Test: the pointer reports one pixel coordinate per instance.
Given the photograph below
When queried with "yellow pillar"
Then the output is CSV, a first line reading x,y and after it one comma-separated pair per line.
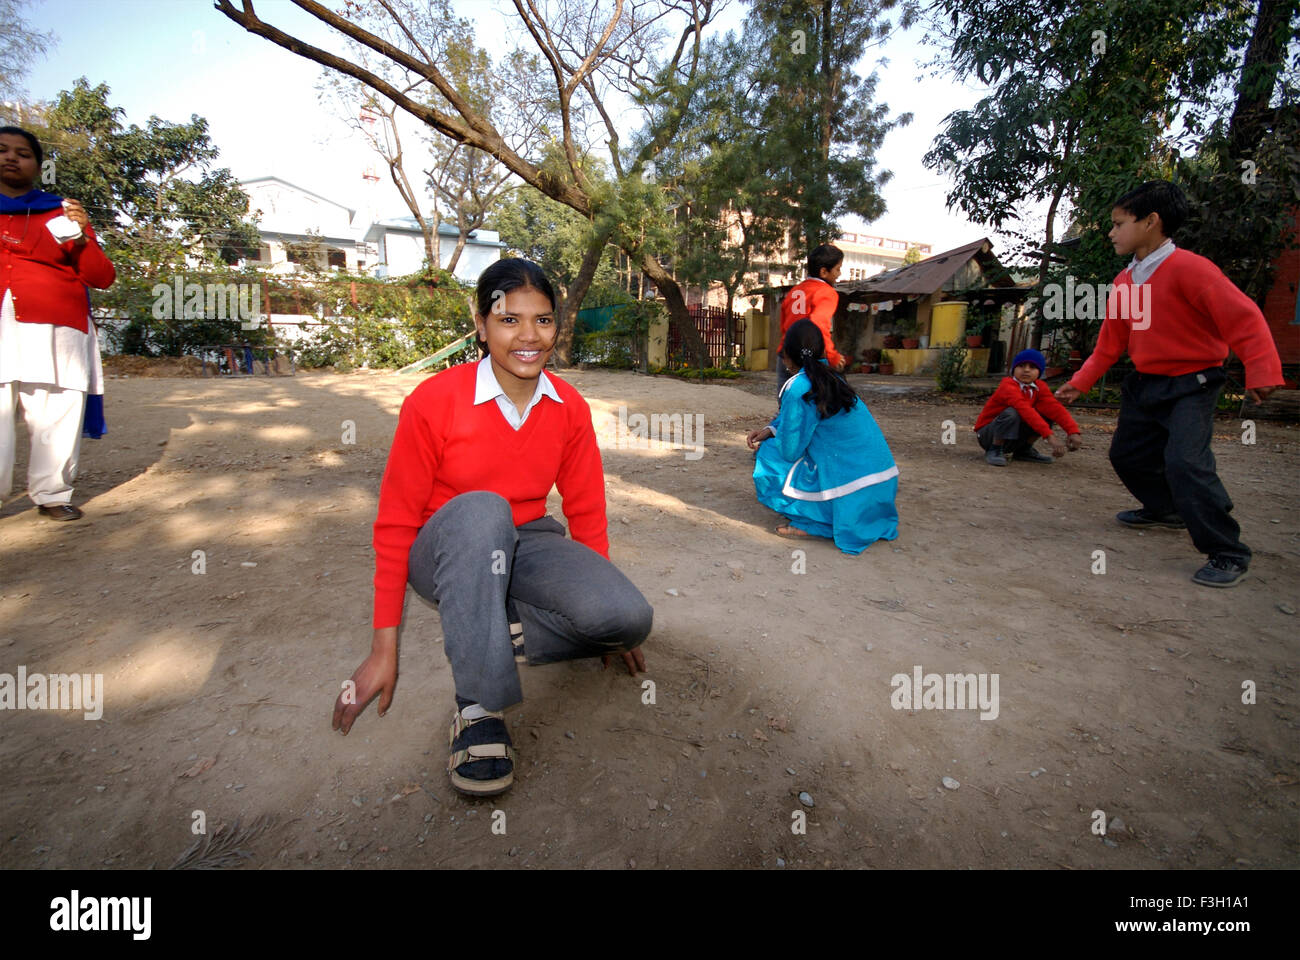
x,y
756,349
657,341
948,323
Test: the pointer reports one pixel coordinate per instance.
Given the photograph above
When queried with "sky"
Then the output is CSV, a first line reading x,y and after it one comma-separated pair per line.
x,y
174,58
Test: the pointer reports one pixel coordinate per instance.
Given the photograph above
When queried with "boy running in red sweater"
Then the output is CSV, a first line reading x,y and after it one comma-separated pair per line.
x,y
1020,411
462,517
1178,341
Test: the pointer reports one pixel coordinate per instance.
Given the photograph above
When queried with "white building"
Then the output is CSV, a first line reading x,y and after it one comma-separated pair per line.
x,y
866,255
400,247
351,240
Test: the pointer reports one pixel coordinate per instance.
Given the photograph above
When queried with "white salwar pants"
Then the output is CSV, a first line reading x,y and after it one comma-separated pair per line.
x,y
53,416
47,371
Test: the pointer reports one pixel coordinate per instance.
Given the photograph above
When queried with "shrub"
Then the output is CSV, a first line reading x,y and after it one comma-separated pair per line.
x,y
952,368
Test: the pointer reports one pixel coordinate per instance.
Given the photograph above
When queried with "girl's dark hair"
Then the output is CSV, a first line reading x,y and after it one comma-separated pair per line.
x,y
1157,196
512,273
30,138
824,257
805,346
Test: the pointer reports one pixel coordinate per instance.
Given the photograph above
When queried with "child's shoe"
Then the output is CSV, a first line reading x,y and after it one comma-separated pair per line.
x,y
1220,572
482,761
1030,455
1141,518
994,457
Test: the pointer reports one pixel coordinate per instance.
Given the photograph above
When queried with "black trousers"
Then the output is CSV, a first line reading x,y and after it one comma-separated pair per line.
x,y
1161,452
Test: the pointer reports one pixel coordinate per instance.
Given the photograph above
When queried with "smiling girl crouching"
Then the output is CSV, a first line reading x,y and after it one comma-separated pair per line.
x,y
462,517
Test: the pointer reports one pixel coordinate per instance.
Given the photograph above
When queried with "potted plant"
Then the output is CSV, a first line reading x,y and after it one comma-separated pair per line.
x,y
974,339
893,341
886,363
911,343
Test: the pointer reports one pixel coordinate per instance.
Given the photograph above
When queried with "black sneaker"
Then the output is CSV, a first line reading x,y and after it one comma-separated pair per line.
x,y
1140,518
994,457
1030,455
1220,572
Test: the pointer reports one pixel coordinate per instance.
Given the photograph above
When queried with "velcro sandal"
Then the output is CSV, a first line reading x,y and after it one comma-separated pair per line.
x,y
482,761
517,642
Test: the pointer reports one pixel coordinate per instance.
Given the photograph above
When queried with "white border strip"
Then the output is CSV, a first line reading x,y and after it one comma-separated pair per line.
x,y
843,489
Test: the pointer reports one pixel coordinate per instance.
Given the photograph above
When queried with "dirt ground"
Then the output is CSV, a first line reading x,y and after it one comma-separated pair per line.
x,y
1120,692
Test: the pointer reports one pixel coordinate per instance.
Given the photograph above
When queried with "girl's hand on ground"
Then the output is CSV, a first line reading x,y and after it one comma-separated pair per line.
x,y
376,676
1058,448
1074,441
634,659
1067,394
756,437
1259,394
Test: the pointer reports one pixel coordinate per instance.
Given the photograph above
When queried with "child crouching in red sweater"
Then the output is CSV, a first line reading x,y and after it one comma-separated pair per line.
x,y
462,517
1020,411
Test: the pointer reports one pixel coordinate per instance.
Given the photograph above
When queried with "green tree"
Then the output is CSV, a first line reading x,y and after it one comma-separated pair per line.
x,y
554,236
161,208
816,121
1124,92
730,215
1243,180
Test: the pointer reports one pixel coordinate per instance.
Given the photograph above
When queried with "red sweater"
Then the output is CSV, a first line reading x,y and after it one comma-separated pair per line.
x,y
1035,406
446,446
817,300
48,280
1193,315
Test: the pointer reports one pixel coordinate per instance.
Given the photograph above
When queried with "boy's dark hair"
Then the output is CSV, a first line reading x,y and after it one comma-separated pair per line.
x,y
805,346
824,257
30,138
500,278
1157,196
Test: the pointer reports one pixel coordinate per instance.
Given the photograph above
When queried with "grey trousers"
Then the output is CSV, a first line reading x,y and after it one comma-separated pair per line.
x,y
473,563
1009,431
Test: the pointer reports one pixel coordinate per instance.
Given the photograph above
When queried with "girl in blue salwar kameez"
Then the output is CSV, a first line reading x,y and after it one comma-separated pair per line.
x,y
823,462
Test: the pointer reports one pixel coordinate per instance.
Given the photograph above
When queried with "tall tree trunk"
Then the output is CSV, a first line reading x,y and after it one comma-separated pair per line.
x,y
461,240
429,235
568,317
1264,60
1049,236
828,80
678,315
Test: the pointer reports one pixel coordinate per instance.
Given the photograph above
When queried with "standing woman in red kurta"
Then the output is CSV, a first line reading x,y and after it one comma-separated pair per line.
x,y
49,356
462,518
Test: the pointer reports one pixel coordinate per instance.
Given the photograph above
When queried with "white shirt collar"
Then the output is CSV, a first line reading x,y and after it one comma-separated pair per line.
x,y
487,387
1141,270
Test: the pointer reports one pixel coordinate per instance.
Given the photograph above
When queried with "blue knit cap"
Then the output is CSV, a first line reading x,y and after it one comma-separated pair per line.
x,y
1030,356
